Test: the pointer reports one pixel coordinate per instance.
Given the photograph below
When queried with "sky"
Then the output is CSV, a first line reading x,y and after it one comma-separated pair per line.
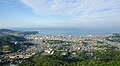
x,y
60,13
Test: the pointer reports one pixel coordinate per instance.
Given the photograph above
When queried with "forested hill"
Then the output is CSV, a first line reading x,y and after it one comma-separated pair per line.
x,y
114,38
103,58
6,30
7,43
13,32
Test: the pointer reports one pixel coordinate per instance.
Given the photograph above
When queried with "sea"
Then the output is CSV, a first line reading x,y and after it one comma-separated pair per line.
x,y
70,30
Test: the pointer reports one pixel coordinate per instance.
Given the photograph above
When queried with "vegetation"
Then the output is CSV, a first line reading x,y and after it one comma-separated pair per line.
x,y
55,41
114,38
9,37
7,43
8,31
100,58
85,43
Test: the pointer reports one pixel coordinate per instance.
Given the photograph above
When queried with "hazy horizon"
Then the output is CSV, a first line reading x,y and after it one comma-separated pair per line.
x,y
76,31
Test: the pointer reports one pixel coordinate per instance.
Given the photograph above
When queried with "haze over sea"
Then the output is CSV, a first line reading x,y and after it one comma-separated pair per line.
x,y
70,30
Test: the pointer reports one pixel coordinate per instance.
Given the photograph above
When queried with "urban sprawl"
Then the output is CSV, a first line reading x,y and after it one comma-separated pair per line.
x,y
48,45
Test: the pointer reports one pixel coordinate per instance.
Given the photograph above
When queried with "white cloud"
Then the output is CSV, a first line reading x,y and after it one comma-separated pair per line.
x,y
85,12
72,7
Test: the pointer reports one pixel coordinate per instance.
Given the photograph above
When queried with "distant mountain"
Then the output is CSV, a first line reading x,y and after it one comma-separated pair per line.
x,y
8,31
30,32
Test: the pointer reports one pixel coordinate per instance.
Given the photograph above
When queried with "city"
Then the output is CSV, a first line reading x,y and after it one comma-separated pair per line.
x,y
59,32
36,44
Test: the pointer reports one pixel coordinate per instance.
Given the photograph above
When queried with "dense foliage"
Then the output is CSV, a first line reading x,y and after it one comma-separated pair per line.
x,y
7,43
114,38
54,41
100,58
8,31
9,37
